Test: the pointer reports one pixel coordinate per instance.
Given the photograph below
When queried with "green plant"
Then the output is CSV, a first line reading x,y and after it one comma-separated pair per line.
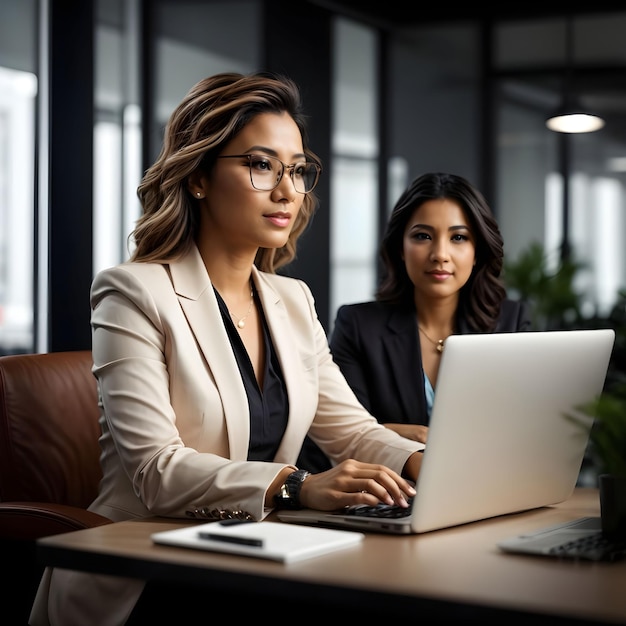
x,y
607,443
551,294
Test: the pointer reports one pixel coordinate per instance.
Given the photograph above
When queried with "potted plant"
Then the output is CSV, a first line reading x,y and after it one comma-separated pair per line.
x,y
550,292
607,447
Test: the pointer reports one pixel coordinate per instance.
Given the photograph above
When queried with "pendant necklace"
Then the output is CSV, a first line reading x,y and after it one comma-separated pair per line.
x,y
241,321
438,344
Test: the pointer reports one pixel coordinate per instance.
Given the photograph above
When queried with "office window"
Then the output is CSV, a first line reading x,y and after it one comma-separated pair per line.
x,y
196,40
434,114
354,186
117,131
18,97
191,41
534,164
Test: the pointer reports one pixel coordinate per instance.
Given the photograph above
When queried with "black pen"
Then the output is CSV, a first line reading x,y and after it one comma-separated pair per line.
x,y
241,541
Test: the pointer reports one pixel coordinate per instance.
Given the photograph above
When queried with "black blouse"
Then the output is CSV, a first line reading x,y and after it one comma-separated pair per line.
x,y
269,407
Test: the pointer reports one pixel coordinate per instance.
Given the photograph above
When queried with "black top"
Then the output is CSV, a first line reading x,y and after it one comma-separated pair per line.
x,y
269,408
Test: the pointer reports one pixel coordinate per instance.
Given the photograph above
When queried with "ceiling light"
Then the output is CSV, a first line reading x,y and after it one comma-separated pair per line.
x,y
574,119
571,116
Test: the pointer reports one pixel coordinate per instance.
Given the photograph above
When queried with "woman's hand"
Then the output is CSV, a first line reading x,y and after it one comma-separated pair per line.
x,y
415,432
352,482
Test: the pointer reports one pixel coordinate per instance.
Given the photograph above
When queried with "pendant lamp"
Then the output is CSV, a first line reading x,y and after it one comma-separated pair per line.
x,y
571,116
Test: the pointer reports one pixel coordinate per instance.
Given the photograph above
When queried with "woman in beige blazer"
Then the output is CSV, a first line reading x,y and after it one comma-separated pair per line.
x,y
211,367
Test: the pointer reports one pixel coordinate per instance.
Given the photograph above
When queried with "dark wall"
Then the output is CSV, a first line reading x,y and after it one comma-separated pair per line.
x,y
70,176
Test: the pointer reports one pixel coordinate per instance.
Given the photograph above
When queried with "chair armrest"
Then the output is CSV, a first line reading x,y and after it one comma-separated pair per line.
x,y
32,520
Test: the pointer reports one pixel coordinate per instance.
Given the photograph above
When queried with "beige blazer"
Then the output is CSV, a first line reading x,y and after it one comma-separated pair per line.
x,y
174,411
174,402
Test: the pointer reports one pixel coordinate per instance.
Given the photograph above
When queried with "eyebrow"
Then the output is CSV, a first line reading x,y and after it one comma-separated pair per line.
x,y
429,227
270,152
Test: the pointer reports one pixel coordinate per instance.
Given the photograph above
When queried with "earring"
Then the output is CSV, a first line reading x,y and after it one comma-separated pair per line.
x,y
198,194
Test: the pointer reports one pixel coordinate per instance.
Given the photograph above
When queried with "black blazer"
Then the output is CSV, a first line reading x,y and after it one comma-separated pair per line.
x,y
377,347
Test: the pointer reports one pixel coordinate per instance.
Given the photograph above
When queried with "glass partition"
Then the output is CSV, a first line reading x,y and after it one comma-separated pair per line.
x,y
18,101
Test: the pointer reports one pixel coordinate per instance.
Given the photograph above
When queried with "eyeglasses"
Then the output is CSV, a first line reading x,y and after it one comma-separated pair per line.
x,y
266,172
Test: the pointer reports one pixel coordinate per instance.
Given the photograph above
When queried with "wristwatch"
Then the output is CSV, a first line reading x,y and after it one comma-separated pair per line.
x,y
288,496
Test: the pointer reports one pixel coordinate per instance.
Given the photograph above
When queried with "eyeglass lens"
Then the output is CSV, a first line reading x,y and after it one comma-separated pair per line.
x,y
266,172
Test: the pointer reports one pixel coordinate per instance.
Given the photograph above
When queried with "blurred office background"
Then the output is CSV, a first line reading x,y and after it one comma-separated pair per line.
x,y
86,87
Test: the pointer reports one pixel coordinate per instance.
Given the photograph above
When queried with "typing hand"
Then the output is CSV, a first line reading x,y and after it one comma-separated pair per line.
x,y
353,482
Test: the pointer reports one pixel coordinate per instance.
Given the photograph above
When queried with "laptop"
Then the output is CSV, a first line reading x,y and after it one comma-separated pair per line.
x,y
499,440
582,539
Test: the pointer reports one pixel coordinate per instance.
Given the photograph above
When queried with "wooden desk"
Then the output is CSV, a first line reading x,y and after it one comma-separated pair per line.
x,y
442,574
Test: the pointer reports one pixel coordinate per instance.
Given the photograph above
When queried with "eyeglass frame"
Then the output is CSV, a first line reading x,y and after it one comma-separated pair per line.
x,y
291,169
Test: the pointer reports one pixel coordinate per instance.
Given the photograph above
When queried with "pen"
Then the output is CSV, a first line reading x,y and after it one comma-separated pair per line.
x,y
241,541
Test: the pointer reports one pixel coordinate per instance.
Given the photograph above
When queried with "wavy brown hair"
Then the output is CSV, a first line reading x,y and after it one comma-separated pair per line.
x,y
481,297
214,111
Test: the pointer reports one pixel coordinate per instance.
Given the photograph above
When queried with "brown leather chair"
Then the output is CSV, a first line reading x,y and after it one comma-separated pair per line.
x,y
49,461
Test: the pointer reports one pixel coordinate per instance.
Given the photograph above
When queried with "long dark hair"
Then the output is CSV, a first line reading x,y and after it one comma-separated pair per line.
x,y
481,297
209,116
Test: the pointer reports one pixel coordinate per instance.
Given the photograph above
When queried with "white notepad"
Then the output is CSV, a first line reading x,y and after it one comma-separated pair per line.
x,y
265,540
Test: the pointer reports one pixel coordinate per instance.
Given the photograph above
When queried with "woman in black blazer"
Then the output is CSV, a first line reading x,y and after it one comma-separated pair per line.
x,y
442,258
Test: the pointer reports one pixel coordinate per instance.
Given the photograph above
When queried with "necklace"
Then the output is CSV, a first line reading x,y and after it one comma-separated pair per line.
x,y
241,321
438,344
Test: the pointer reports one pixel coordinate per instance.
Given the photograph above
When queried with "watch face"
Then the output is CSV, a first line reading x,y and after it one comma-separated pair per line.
x,y
289,495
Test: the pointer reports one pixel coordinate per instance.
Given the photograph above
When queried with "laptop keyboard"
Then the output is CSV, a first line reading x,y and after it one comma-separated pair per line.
x,y
595,547
384,511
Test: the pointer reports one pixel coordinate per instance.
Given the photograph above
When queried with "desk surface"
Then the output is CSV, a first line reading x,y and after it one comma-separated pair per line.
x,y
458,567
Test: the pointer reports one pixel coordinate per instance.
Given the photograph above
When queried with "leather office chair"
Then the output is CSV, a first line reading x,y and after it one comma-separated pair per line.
x,y
49,461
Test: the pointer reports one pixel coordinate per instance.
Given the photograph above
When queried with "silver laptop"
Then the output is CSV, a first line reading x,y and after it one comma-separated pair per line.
x,y
581,539
499,440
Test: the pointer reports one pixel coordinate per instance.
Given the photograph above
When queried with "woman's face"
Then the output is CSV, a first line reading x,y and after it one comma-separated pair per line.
x,y
238,216
439,249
